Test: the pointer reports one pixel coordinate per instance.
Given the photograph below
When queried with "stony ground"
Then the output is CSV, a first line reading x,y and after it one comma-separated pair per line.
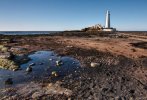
x,y
120,75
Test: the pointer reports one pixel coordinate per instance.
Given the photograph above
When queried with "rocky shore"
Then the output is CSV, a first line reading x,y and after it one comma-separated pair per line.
x,y
5,59
113,66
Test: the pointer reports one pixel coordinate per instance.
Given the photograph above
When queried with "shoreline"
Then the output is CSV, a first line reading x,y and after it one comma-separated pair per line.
x,y
122,66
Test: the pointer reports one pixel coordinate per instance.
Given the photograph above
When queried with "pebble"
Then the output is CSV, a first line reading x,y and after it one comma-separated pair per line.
x,y
50,59
54,73
37,94
41,63
69,46
59,63
29,69
32,64
93,64
15,69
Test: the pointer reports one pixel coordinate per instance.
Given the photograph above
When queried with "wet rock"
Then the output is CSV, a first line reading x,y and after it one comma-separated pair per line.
x,y
93,64
145,87
59,63
32,64
15,69
54,73
134,50
9,81
41,63
22,58
50,59
29,69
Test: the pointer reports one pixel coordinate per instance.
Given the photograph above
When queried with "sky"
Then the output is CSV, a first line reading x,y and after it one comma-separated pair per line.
x,y
60,15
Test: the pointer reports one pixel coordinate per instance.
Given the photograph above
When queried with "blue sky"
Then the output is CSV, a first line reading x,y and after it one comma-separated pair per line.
x,y
58,15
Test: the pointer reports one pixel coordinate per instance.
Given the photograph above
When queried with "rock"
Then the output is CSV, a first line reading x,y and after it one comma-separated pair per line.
x,y
55,88
18,49
5,55
93,64
54,73
59,63
50,59
69,46
41,63
9,81
3,48
37,95
14,69
22,58
120,98
29,69
32,64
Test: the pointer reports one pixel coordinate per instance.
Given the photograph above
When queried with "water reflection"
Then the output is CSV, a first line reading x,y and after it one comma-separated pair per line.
x,y
43,64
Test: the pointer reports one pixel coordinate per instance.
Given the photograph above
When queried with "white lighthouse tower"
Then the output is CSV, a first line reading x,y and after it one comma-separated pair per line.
x,y
107,25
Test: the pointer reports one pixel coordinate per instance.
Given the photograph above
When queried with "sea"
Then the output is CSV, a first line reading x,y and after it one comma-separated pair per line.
x,y
54,32
27,32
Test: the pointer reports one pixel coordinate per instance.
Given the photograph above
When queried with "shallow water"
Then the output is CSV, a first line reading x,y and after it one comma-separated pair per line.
x,y
45,64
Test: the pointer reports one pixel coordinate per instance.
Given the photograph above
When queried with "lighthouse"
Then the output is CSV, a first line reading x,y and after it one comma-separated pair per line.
x,y
107,23
107,27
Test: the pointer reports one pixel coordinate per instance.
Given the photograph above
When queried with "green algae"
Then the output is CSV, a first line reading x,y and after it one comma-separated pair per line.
x,y
3,48
8,64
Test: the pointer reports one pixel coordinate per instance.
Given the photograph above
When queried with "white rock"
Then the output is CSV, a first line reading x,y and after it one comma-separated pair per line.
x,y
59,63
29,69
93,64
32,64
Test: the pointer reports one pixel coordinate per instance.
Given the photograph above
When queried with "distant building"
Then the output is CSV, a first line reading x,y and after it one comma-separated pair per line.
x,y
98,27
107,25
